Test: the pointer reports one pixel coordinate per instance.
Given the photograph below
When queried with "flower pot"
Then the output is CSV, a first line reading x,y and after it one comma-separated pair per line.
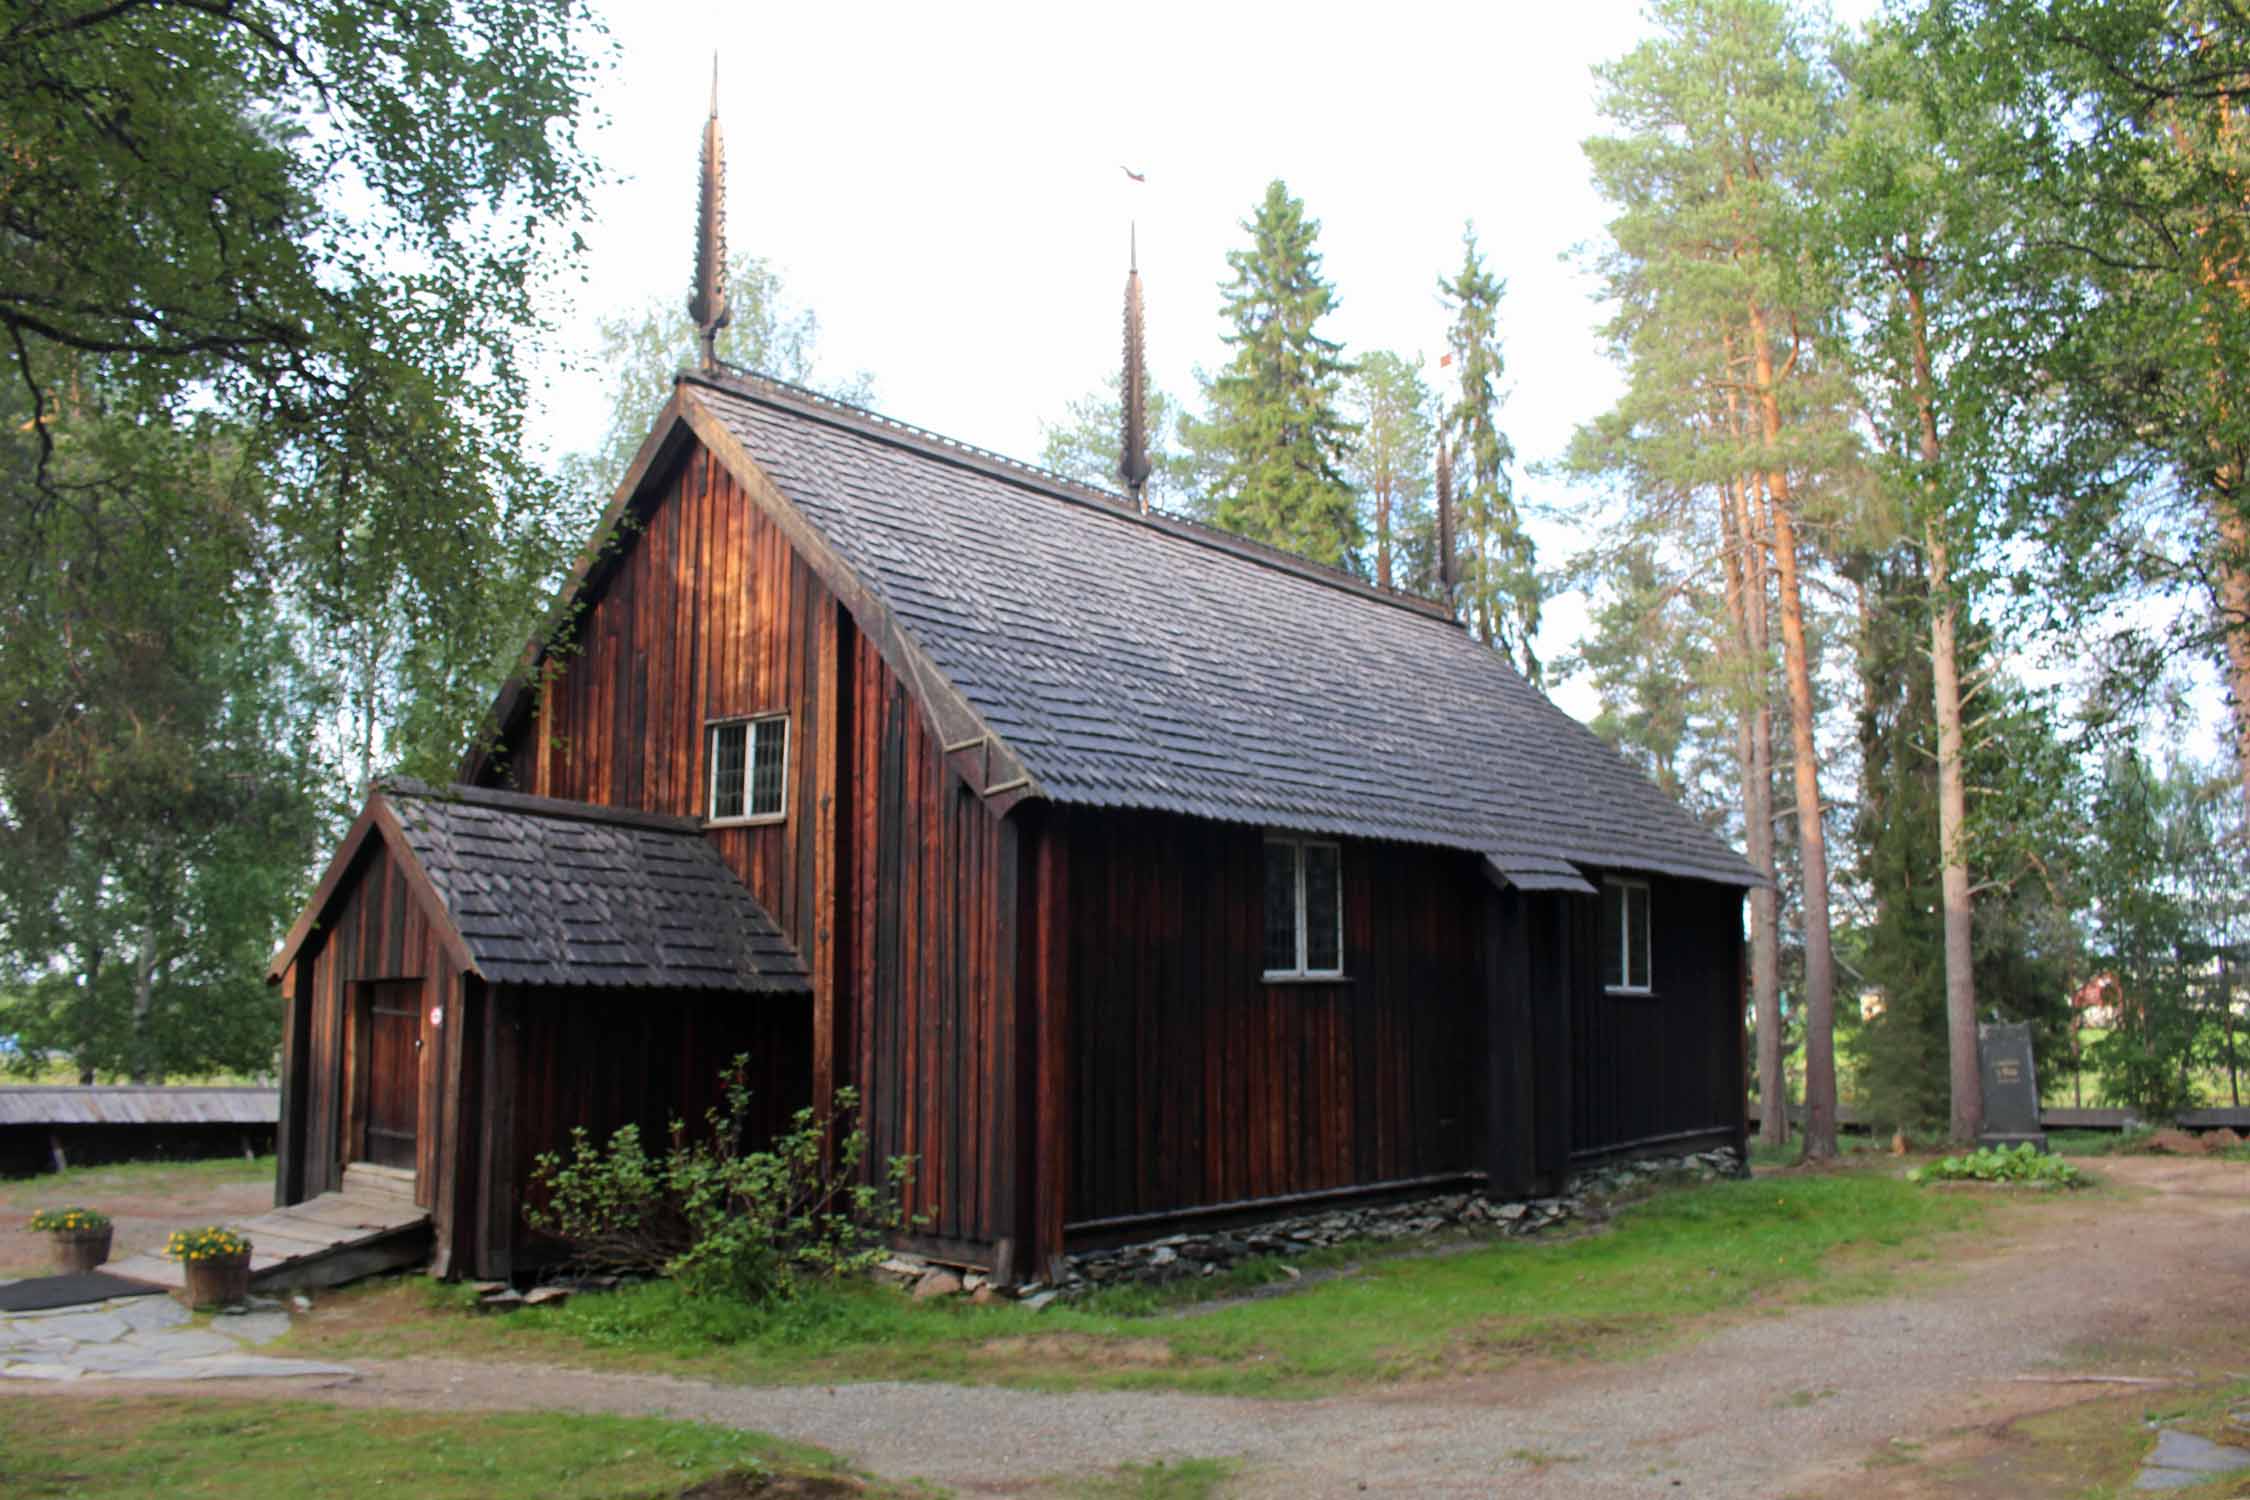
x,y
80,1249
219,1282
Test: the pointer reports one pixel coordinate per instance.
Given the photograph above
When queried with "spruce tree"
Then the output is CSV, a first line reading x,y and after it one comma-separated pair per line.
x,y
1500,587
1275,417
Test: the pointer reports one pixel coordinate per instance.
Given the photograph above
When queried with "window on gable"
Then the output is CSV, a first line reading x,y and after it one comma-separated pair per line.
x,y
749,761
1624,938
1304,908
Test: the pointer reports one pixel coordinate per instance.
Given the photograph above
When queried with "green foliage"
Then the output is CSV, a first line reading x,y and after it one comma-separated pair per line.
x,y
207,1242
71,1220
1084,447
1500,587
2163,874
2020,1164
1391,462
723,1221
639,351
1275,416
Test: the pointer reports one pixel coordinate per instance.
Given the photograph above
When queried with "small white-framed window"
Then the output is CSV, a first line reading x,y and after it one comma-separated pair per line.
x,y
1624,937
1304,908
749,770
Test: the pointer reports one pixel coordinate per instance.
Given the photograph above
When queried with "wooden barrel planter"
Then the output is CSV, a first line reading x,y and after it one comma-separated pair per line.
x,y
220,1281
80,1249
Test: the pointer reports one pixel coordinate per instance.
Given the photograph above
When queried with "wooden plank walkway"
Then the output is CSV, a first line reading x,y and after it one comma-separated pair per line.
x,y
371,1224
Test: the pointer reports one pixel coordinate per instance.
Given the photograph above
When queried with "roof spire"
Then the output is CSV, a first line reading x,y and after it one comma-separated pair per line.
x,y
1132,462
707,304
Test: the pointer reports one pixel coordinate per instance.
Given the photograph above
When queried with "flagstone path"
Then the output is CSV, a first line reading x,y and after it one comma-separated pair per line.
x,y
145,1338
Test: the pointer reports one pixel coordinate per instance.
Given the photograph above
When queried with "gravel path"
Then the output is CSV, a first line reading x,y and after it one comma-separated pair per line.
x,y
1779,1405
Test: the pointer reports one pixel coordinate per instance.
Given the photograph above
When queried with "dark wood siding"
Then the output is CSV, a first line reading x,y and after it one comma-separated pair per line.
x,y
709,613
599,1059
380,930
1193,1082
931,966
1665,1066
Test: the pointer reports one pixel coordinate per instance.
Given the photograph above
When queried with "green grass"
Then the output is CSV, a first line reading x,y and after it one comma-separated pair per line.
x,y
1667,1263
1179,1479
282,1450
134,1177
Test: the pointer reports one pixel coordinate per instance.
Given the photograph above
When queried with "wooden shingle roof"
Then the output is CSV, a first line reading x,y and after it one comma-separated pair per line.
x,y
1134,662
540,891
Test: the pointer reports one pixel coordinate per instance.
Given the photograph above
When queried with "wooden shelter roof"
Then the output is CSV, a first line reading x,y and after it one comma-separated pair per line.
x,y
540,891
1100,657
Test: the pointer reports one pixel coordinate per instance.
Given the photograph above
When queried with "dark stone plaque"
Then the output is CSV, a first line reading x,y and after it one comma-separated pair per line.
x,y
2011,1086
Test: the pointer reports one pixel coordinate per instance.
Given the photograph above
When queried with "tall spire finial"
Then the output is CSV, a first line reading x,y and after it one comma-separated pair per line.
x,y
707,305
1132,461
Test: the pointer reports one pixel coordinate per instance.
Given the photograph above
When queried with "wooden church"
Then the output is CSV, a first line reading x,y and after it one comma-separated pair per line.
x,y
1139,877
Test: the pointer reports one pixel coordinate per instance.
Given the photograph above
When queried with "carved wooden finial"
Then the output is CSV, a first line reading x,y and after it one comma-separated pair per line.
x,y
707,305
1132,461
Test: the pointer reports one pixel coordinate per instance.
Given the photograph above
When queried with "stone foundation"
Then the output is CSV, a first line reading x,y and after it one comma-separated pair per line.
x,y
1186,1256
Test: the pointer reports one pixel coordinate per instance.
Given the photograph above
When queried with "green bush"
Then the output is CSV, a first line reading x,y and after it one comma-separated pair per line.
x,y
2021,1164
720,1220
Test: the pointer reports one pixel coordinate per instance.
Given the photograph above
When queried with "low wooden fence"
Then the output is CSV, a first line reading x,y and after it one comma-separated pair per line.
x,y
2054,1117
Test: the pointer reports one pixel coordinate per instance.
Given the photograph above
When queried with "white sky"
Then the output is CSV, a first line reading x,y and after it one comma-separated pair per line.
x,y
943,187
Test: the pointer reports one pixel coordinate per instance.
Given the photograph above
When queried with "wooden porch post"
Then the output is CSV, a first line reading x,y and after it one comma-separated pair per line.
x,y
1510,1125
496,1187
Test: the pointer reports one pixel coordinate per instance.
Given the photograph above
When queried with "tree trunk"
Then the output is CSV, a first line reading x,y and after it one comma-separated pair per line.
x,y
144,1002
1383,535
1812,843
2234,618
1953,801
1746,607
84,1017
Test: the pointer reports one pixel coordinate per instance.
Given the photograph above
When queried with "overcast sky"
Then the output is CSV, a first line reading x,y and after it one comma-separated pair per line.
x,y
944,188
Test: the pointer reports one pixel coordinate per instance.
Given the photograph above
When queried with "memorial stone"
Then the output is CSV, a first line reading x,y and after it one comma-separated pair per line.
x,y
2011,1086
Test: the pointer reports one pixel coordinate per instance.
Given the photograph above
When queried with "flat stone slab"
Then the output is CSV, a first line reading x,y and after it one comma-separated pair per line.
x,y
82,1327
45,1370
148,1314
232,1367
2182,1459
252,1328
184,1343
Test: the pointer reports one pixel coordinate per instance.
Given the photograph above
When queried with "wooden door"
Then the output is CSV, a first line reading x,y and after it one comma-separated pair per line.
x,y
393,1073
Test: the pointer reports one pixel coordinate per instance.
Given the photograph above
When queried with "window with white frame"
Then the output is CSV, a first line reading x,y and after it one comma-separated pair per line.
x,y
1304,908
1625,936
749,770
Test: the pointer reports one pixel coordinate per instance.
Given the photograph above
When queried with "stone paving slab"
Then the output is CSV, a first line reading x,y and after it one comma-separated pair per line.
x,y
145,1338
2181,1459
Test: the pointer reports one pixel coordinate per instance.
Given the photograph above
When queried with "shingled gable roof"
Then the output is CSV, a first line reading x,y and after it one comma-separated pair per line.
x,y
540,891
1119,660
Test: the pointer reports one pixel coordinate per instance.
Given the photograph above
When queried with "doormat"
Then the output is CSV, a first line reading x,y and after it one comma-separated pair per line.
x,y
37,1293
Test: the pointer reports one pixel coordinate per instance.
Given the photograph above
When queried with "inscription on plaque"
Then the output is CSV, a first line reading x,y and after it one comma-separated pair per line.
x,y
2011,1086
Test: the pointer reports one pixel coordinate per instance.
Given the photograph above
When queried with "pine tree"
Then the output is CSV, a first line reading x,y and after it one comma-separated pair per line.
x,y
1274,408
1500,589
1392,463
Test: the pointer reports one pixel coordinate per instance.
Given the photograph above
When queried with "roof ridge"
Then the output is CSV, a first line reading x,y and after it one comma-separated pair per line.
x,y
544,807
734,380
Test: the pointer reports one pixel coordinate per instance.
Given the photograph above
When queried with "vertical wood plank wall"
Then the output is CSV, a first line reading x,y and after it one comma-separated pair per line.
x,y
378,931
1194,1082
708,614
1669,1063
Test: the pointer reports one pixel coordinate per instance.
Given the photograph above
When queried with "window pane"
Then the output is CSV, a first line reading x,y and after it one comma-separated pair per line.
x,y
729,745
1281,907
1324,896
1636,952
1613,935
766,766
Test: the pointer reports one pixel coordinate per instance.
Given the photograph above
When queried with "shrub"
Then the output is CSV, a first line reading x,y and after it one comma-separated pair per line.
x,y
718,1219
2022,1164
208,1242
72,1220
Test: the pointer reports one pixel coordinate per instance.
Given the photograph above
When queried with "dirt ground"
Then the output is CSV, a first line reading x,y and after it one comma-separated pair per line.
x,y
1967,1382
144,1204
